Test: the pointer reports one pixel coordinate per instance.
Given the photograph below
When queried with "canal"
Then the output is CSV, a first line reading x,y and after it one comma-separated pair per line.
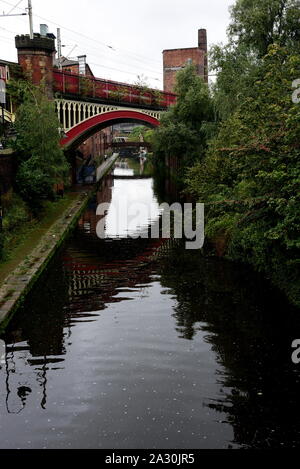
x,y
139,343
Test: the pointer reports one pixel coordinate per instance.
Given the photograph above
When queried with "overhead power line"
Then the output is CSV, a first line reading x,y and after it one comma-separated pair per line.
x,y
119,70
14,7
17,14
4,38
140,68
8,30
108,46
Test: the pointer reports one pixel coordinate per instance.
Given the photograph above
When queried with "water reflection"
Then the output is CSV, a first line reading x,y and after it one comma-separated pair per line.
x,y
35,343
251,328
122,169
133,208
138,343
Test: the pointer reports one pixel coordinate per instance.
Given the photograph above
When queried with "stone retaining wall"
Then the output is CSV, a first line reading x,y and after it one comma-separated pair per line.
x,y
18,284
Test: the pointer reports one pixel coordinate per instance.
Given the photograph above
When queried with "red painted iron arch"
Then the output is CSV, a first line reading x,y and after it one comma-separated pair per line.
x,y
86,128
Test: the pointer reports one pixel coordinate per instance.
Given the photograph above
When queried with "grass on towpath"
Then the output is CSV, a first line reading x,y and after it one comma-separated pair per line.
x,y
28,236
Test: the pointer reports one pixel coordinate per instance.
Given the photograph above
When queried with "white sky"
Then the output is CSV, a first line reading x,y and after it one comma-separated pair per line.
x,y
138,31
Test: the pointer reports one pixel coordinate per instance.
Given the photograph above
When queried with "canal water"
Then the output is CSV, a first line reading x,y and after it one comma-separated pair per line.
x,y
139,343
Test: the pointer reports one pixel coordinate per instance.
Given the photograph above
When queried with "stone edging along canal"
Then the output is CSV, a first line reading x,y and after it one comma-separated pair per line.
x,y
22,279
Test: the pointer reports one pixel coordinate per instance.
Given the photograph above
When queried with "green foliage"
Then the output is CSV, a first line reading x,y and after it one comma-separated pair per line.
x,y
236,71
157,97
2,239
141,83
249,178
16,213
251,174
16,85
85,86
258,24
42,161
139,131
119,93
185,128
34,184
255,25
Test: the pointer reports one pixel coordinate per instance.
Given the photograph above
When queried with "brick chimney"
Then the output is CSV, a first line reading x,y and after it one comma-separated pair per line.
x,y
176,59
202,44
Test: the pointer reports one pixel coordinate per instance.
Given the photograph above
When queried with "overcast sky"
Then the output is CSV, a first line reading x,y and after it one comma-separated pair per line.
x,y
121,38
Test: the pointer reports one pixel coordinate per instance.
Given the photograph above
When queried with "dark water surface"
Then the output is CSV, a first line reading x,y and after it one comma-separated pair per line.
x,y
138,343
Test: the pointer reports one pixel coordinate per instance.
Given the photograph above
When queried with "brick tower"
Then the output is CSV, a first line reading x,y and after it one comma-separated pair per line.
x,y
36,56
175,59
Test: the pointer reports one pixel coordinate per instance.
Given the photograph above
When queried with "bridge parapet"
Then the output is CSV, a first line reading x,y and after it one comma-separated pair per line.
x,y
36,58
78,87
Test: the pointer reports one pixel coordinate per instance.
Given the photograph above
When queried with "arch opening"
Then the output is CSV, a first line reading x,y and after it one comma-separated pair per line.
x,y
79,133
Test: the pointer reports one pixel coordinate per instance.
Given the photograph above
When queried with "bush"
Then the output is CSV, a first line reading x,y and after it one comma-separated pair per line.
x,y
34,185
16,213
184,129
42,161
1,246
250,176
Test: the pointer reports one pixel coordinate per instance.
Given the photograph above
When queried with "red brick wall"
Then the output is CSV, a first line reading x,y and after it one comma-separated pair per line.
x,y
95,145
36,56
175,59
88,147
37,66
75,69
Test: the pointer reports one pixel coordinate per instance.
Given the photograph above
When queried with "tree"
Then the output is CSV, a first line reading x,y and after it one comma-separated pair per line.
x,y
250,176
139,131
185,128
41,160
257,24
236,70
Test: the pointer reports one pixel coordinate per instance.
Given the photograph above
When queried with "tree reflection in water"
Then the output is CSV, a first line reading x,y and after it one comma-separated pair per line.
x,y
250,327
35,339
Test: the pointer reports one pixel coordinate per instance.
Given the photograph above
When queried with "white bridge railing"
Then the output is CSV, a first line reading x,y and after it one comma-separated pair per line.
x,y
72,113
